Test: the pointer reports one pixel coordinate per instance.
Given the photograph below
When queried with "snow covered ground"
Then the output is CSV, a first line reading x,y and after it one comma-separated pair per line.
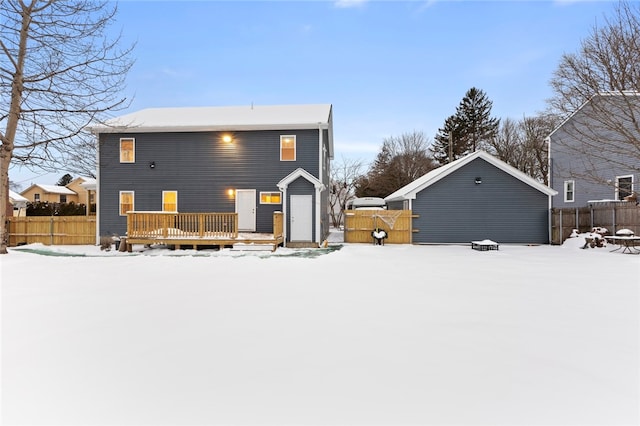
x,y
350,335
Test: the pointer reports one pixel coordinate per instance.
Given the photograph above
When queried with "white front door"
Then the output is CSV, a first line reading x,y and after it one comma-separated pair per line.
x,y
301,214
246,209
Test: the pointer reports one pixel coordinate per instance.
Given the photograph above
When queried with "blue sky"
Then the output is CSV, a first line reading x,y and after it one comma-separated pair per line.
x,y
387,67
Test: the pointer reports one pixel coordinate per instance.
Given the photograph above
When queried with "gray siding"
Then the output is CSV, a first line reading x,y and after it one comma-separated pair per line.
x,y
501,208
201,167
594,179
568,163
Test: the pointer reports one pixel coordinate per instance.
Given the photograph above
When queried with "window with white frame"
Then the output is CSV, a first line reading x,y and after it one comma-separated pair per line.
x,y
287,148
127,150
624,186
169,201
270,198
569,191
126,202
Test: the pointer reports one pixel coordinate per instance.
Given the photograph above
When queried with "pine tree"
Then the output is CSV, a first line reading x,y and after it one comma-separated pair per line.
x,y
448,135
469,129
475,118
65,180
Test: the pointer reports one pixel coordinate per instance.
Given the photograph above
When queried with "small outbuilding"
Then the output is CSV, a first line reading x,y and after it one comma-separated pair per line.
x,y
476,197
17,205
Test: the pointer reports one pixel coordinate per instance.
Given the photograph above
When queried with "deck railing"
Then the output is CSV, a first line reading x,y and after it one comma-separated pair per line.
x,y
162,225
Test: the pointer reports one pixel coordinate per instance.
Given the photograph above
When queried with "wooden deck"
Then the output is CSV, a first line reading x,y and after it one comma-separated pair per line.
x,y
197,229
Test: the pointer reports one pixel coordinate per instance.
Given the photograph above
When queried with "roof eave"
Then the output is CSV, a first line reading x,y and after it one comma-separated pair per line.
x,y
206,128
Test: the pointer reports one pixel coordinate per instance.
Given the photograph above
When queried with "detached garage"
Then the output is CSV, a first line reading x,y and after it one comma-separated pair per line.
x,y
476,197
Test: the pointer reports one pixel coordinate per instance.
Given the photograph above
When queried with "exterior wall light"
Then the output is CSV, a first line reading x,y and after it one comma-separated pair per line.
x,y
478,180
231,192
152,165
227,138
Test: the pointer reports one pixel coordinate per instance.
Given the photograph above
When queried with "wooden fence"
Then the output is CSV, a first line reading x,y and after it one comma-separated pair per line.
x,y
398,224
52,230
613,216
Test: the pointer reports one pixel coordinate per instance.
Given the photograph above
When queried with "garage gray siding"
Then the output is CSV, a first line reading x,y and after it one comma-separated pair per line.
x,y
501,208
201,167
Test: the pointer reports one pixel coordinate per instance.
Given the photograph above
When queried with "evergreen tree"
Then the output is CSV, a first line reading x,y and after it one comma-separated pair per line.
x,y
470,129
475,116
65,180
449,134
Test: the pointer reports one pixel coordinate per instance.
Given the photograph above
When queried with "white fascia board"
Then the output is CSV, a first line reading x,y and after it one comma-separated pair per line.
x,y
207,128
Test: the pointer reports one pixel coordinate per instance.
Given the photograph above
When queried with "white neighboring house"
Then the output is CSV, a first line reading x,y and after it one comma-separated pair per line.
x,y
19,204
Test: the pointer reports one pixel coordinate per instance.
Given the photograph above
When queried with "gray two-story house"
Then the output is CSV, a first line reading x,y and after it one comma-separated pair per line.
x,y
252,160
593,154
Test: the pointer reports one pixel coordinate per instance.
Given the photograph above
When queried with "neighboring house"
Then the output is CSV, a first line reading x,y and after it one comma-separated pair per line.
x,y
588,161
18,205
473,198
49,194
85,187
253,160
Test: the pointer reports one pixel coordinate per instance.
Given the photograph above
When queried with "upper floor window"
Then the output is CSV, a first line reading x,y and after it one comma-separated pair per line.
x,y
36,197
624,186
169,201
288,148
270,198
127,150
126,202
569,191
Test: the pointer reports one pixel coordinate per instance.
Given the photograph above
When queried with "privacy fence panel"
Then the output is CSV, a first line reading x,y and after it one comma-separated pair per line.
x,y
613,216
398,224
52,230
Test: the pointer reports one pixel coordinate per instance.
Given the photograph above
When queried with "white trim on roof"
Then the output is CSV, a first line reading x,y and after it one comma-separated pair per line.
x,y
14,197
197,119
52,189
297,173
581,107
408,192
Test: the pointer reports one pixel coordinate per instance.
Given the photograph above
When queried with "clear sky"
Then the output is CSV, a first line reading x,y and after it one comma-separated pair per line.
x,y
387,67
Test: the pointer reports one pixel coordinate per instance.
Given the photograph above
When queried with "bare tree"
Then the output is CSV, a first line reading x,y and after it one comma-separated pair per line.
x,y
602,82
534,131
344,177
522,144
59,71
507,145
400,161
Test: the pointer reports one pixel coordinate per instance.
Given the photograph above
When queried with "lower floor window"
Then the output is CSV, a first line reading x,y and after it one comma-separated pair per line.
x,y
169,201
624,187
126,202
270,198
569,191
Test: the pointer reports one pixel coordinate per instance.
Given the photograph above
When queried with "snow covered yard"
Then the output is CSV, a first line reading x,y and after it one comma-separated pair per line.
x,y
365,334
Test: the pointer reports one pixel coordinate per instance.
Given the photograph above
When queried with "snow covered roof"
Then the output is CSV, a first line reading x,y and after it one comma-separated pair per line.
x,y
89,183
297,173
14,197
52,189
410,190
247,117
